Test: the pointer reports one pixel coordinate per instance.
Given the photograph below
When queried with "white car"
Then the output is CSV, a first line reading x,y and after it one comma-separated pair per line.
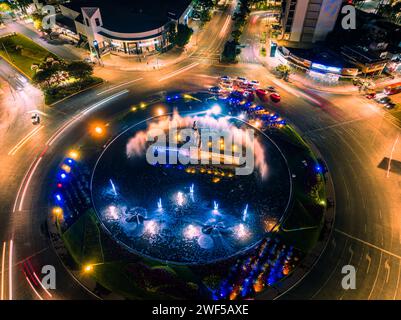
x,y
225,78
242,80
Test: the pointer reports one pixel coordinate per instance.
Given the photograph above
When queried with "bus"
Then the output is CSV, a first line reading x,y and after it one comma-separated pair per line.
x,y
393,88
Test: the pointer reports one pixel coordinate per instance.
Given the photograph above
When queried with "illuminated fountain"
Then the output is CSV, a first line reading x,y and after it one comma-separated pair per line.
x,y
245,213
215,207
182,228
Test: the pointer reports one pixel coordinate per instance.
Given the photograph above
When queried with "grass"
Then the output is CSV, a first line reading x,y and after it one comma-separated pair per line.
x,y
304,221
22,52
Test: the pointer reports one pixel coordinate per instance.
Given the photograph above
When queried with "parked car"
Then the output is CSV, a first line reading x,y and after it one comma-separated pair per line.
x,y
371,95
271,89
215,89
225,78
254,83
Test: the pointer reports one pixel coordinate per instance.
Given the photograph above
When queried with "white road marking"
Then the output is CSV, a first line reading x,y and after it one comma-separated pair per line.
x,y
118,86
369,262
369,244
28,182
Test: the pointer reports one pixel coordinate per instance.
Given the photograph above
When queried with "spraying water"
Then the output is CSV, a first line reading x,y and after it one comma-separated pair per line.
x,y
245,213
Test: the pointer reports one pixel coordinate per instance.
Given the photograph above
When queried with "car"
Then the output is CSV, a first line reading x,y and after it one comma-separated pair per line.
x,y
390,105
35,119
275,97
196,16
225,78
371,95
255,83
215,89
271,89
383,100
249,95
242,80
89,61
261,92
226,86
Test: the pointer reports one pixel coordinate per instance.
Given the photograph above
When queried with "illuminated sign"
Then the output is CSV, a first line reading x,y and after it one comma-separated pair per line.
x,y
325,68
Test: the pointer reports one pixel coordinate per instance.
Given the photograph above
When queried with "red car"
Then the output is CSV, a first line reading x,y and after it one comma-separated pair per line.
x,y
275,97
371,95
261,93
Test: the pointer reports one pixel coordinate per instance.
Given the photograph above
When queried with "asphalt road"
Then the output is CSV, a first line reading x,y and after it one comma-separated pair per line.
x,y
353,134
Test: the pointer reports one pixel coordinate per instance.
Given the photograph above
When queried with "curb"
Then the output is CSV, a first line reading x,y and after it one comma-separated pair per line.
x,y
307,264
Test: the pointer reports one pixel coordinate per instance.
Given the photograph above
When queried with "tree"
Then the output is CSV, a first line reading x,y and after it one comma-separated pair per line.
x,y
236,34
183,35
79,69
44,76
23,4
230,52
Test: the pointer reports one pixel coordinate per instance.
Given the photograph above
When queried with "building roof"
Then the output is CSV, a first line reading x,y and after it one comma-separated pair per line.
x,y
133,16
320,55
66,23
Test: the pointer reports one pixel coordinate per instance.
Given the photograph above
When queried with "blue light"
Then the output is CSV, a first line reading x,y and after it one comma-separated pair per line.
x,y
318,168
63,176
58,197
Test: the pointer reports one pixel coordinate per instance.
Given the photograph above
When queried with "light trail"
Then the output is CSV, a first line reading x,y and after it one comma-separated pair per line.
x,y
28,182
118,86
391,156
33,288
296,93
41,284
175,73
3,258
28,176
69,123
24,140
10,271
225,26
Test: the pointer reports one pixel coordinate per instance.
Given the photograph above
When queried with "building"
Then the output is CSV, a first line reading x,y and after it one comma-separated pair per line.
x,y
308,21
137,27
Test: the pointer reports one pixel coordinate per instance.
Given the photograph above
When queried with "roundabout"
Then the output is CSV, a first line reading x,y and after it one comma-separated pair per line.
x,y
194,225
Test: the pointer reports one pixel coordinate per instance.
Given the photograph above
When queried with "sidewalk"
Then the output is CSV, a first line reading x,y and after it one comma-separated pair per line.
x,y
300,79
64,51
147,63
126,62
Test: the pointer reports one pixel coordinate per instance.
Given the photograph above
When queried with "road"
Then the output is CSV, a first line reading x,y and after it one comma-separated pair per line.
x,y
353,135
